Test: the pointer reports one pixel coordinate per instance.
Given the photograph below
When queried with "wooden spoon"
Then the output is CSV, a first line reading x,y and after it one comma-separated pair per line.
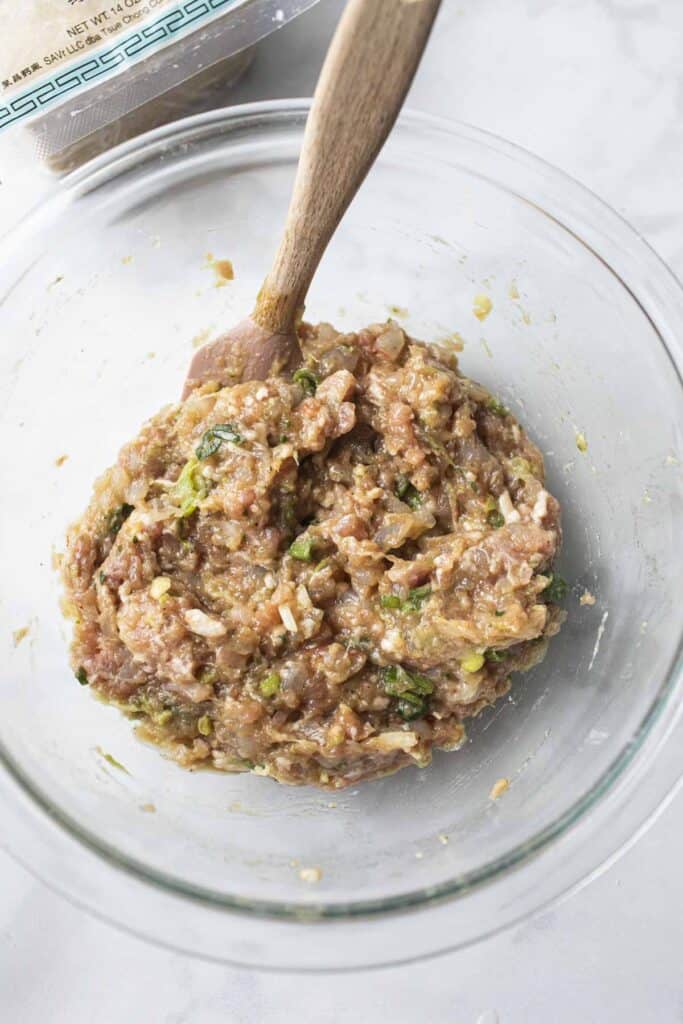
x,y
369,66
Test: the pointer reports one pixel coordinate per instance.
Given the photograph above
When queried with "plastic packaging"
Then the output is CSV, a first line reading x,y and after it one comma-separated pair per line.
x,y
86,74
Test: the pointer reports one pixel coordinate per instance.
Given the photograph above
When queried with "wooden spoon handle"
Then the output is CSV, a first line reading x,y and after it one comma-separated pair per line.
x,y
367,72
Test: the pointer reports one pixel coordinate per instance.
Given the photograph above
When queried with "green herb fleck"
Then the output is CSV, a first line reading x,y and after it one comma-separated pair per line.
x,y
302,548
214,437
402,485
495,656
205,725
498,614
497,407
208,675
189,489
164,717
410,707
495,519
390,601
270,685
102,576
307,379
208,445
416,598
82,676
117,518
410,688
413,498
406,492
556,589
421,684
396,680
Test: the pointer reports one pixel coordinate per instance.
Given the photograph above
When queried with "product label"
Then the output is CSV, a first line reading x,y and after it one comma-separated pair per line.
x,y
55,47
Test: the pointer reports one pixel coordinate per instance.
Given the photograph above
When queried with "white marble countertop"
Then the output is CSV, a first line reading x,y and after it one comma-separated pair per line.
x,y
596,87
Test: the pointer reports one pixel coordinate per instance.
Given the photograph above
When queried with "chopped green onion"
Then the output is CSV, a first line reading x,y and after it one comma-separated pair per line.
x,y
421,684
556,589
493,514
205,725
495,656
270,685
497,407
302,549
102,576
213,438
164,717
110,759
117,518
396,680
410,706
416,598
472,662
189,489
413,603
307,379
208,675
406,492
208,445
413,498
82,676
410,688
403,485
521,467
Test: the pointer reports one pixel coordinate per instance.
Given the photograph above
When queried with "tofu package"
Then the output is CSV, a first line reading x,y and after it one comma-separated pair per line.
x,y
83,75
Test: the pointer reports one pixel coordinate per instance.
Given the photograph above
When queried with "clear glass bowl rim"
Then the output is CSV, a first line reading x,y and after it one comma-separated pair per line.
x,y
655,728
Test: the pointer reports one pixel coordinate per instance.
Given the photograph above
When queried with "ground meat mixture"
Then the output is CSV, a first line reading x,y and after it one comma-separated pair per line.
x,y
320,578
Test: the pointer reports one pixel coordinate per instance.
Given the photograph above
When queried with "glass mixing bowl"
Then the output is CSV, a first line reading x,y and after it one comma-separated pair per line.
x,y
102,291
